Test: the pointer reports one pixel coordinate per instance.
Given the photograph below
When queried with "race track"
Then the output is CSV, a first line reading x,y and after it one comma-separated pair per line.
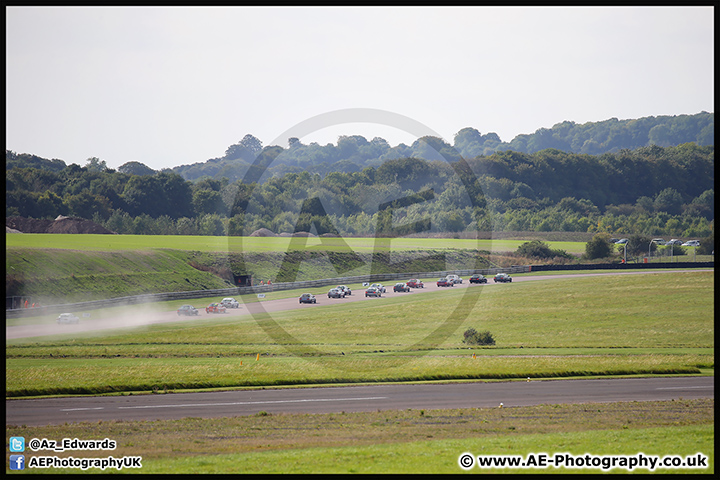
x,y
150,314
336,399
363,398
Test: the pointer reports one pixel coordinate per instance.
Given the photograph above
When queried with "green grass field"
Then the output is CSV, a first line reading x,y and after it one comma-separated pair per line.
x,y
57,269
407,441
651,323
260,244
646,324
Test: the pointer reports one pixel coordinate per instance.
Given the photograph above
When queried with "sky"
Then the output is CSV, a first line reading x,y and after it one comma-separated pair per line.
x,y
171,86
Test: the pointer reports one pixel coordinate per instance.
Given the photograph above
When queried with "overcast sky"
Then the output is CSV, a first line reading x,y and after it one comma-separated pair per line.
x,y
169,86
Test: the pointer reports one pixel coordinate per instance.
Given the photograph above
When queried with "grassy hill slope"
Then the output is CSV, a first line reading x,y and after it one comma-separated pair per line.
x,y
90,275
49,274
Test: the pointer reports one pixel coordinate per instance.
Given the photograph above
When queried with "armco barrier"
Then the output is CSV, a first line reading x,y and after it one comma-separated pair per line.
x,y
229,292
622,266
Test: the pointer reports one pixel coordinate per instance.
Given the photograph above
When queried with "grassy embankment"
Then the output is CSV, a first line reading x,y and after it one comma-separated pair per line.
x,y
69,268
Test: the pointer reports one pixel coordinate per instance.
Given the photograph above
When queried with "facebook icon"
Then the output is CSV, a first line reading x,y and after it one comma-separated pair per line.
x,y
17,462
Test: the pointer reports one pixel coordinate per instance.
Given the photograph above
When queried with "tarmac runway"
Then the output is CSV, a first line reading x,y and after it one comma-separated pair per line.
x,y
377,397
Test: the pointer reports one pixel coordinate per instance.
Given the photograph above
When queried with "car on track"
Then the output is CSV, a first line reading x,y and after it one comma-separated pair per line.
x,y
674,241
502,277
67,318
455,278
307,298
622,241
187,310
335,293
345,289
215,308
401,287
445,282
379,286
415,283
230,303
477,278
691,243
373,292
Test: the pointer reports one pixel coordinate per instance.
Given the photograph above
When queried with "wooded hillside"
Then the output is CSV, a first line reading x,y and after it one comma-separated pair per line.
x,y
352,153
651,190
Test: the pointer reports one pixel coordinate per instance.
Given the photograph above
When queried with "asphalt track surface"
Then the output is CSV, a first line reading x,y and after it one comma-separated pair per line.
x,y
361,398
50,411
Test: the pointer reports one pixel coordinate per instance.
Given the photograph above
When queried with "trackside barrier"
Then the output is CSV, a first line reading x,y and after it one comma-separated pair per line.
x,y
620,266
228,292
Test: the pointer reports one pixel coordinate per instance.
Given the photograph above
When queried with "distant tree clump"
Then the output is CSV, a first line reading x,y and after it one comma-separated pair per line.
x,y
473,337
136,168
599,246
539,249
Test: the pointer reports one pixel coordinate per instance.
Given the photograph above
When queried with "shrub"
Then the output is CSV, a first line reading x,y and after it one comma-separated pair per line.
x,y
473,337
540,249
599,247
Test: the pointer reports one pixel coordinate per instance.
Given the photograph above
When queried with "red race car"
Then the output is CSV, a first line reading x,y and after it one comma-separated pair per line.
x,y
215,308
415,283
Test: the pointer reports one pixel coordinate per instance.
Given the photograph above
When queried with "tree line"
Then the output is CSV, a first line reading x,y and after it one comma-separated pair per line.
x,y
657,191
352,153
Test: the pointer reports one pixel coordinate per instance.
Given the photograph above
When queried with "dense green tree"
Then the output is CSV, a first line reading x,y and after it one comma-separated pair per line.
x,y
246,149
120,222
136,168
177,194
469,142
144,195
599,246
702,205
86,205
638,245
25,160
52,205
408,173
207,201
453,221
540,249
33,179
707,244
94,164
582,206
23,203
669,200
211,224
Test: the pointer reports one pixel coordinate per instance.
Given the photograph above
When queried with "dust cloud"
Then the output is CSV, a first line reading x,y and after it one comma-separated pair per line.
x,y
122,317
